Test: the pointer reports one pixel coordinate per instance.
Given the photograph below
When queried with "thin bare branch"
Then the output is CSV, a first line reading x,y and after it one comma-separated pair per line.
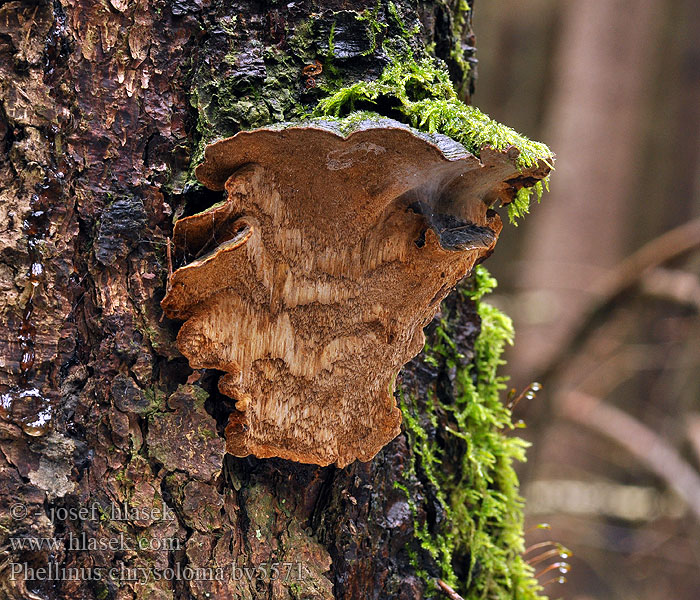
x,y
674,285
639,440
449,592
693,432
620,281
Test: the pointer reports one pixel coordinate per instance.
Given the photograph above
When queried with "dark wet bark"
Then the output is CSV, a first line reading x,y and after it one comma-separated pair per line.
x,y
102,108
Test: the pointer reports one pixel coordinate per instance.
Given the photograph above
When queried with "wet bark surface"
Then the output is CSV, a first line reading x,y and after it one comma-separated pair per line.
x,y
111,448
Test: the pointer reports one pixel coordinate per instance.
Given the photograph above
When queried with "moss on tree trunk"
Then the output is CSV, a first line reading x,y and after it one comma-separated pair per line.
x,y
105,107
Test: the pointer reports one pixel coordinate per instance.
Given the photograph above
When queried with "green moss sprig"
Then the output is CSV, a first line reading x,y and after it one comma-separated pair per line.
x,y
483,509
421,94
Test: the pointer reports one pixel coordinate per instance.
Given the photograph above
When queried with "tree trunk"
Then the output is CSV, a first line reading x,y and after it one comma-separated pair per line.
x,y
590,110
112,453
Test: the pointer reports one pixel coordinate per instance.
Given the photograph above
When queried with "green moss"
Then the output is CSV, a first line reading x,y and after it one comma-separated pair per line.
x,y
302,41
375,28
331,42
406,33
460,24
102,592
206,433
212,208
331,73
483,527
121,474
421,94
198,394
156,400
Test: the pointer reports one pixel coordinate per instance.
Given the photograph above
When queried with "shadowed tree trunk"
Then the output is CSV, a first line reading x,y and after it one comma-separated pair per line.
x,y
104,106
590,110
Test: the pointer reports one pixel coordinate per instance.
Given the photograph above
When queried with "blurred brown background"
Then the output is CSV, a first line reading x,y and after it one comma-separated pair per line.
x,y
612,257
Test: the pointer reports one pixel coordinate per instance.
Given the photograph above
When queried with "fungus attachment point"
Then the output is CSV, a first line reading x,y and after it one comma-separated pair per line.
x,y
307,285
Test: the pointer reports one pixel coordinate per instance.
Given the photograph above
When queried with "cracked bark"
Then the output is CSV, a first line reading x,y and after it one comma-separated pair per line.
x,y
97,128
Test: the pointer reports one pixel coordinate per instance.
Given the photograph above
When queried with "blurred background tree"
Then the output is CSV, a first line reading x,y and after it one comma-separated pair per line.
x,y
613,86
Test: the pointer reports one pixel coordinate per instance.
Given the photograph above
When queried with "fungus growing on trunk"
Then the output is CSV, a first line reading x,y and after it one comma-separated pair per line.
x,y
311,284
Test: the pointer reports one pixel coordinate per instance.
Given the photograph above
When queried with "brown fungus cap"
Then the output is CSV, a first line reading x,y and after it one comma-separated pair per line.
x,y
311,284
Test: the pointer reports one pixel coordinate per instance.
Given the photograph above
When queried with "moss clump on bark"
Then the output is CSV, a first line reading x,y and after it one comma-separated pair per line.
x,y
478,548
420,93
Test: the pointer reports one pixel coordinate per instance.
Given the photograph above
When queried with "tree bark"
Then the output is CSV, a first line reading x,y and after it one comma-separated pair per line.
x,y
111,448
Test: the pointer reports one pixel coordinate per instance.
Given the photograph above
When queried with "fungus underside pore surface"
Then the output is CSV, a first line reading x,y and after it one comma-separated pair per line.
x,y
483,523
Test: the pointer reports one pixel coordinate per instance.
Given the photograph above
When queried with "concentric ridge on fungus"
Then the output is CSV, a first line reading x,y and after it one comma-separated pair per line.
x,y
311,284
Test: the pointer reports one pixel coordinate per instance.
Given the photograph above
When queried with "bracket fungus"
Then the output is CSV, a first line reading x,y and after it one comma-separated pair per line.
x,y
311,283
